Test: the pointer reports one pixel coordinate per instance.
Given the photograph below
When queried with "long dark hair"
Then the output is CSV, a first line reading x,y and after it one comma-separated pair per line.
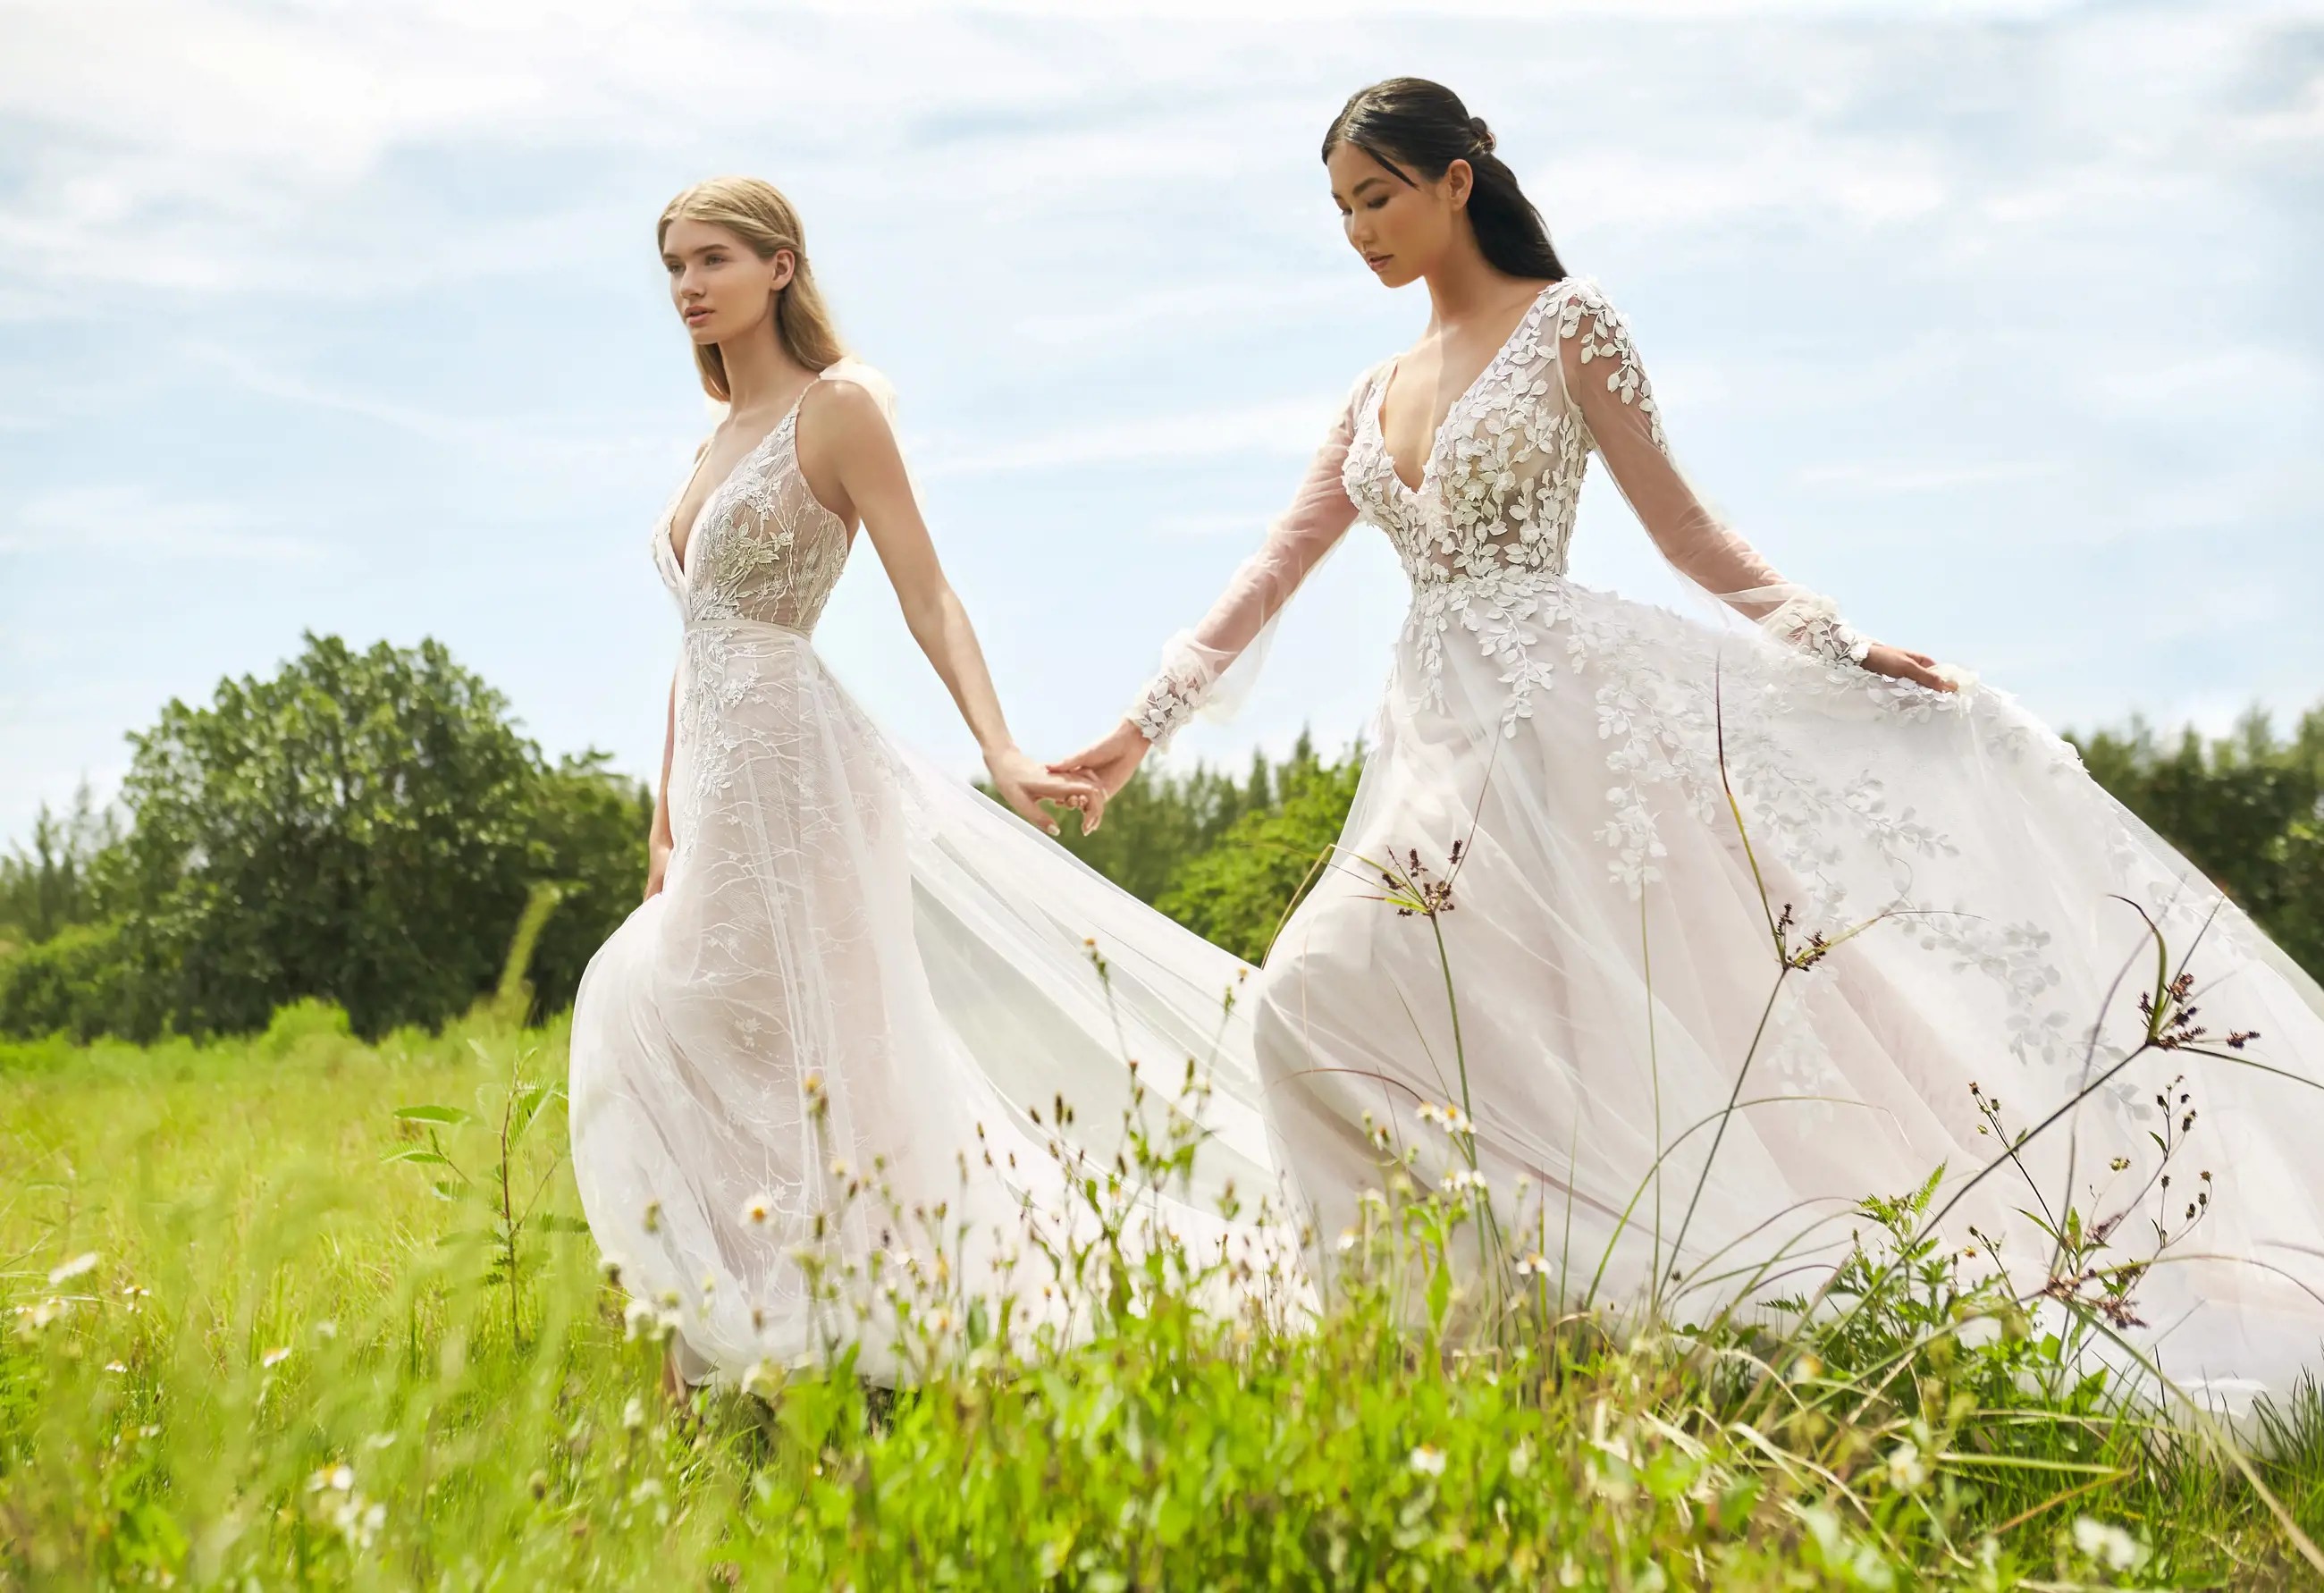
x,y
1411,123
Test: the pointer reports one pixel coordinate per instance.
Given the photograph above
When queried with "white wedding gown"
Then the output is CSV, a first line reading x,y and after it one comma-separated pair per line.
x,y
840,919
1610,956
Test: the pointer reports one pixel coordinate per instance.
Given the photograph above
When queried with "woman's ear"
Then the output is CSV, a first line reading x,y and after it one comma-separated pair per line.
x,y
1459,182
786,267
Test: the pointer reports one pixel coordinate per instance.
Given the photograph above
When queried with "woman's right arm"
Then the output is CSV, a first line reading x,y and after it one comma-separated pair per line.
x,y
659,840
1319,515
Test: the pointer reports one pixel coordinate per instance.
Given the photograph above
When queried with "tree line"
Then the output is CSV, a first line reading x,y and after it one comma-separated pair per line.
x,y
368,827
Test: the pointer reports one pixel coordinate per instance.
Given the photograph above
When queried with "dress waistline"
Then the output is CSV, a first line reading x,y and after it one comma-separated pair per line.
x,y
733,624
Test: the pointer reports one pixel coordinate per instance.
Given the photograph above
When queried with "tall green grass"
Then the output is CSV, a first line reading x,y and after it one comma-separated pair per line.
x,y
238,1353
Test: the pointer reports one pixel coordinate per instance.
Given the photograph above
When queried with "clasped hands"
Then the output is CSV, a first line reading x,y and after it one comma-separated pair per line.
x,y
1082,782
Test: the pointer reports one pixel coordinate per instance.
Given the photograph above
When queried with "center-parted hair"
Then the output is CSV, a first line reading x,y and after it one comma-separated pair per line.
x,y
757,213
1410,125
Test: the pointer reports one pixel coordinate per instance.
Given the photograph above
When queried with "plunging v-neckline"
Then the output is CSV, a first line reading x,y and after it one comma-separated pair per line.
x,y
1436,436
678,559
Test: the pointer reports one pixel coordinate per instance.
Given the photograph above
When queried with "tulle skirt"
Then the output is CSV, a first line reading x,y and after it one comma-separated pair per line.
x,y
832,1048
1640,804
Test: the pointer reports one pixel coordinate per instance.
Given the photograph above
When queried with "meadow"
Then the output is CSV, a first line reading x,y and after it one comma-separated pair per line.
x,y
244,1349
307,1303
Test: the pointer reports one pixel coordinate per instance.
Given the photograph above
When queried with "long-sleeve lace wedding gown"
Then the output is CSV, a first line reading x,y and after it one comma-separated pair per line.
x,y
862,971
1610,955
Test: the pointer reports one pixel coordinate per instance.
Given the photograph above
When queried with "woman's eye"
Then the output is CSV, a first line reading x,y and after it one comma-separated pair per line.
x,y
1375,204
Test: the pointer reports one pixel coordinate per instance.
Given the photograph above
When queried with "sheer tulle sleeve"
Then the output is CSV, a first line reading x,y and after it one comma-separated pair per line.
x,y
1602,374
1210,667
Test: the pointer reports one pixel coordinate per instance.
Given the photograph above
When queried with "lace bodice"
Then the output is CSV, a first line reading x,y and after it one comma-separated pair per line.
x,y
1494,511
763,548
1498,488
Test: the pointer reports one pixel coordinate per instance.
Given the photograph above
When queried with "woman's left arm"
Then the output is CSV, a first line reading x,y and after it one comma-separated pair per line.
x,y
859,456
1602,371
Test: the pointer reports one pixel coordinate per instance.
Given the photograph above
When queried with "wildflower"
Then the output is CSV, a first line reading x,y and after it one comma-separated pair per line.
x,y
1428,1461
1464,1181
633,1414
1533,1266
641,1318
1348,1237
1907,1470
811,1083
275,1357
73,1268
839,1168
757,1208
34,1317
2109,1544
114,1366
653,1216
2119,1164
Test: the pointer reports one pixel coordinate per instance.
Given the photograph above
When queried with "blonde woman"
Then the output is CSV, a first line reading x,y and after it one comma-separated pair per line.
x,y
812,1044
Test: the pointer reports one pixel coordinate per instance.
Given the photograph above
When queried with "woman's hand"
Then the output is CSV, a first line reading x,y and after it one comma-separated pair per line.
x,y
1895,662
1024,785
1108,762
657,849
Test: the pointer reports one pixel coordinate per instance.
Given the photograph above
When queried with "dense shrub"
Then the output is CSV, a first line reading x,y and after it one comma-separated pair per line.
x,y
79,981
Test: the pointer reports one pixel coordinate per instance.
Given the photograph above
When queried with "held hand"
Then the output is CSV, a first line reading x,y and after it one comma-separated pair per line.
x,y
1108,761
1024,785
1901,665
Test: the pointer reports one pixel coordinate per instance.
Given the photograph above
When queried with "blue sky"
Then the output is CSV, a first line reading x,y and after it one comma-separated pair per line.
x,y
1999,323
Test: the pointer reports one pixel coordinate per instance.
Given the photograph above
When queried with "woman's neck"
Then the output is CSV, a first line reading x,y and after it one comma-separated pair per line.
x,y
1463,286
760,373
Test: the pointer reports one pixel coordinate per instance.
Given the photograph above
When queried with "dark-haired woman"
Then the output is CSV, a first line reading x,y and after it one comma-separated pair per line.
x,y
1705,934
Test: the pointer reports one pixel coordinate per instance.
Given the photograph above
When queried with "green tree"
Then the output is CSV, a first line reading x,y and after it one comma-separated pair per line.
x,y
589,828
2245,808
1236,893
363,827
51,885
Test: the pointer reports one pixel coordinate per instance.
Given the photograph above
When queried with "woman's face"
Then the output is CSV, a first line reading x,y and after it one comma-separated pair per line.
x,y
722,290
1402,229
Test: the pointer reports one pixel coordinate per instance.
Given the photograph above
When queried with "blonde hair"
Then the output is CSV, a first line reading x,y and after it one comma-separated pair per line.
x,y
757,213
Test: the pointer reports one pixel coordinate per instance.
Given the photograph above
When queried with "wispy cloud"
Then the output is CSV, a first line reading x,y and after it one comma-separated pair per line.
x,y
1290,429
1876,477
68,521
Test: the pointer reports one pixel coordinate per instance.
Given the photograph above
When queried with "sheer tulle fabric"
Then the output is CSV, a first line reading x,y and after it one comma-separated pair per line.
x,y
1611,941
842,924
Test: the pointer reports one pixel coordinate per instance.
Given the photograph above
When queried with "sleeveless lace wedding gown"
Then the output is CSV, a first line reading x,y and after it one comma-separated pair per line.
x,y
858,964
1610,956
